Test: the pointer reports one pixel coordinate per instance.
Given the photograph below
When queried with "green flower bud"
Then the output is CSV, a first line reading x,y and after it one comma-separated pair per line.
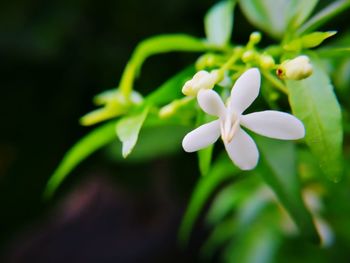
x,y
295,69
168,110
266,61
248,56
255,38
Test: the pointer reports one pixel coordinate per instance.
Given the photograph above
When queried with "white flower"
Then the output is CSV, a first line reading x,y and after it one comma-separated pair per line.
x,y
201,80
239,145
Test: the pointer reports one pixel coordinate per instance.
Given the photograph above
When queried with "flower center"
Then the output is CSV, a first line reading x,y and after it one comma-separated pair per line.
x,y
229,126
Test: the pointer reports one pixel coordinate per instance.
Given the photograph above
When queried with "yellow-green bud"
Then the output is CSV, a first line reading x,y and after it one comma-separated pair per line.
x,y
266,61
201,80
295,69
248,56
255,38
168,110
205,61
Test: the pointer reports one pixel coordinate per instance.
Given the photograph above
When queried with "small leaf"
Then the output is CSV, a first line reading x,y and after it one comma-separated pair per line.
x,y
313,101
222,170
280,174
219,23
158,45
324,16
269,15
128,129
308,41
91,142
316,38
148,146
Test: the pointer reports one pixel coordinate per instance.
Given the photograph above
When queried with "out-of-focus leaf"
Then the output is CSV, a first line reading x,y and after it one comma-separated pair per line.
x,y
244,200
91,142
303,10
313,101
218,23
222,233
280,174
221,170
225,202
324,16
157,45
171,89
128,129
258,243
270,16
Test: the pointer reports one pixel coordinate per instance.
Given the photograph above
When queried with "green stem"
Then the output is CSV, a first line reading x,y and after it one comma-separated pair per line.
x,y
275,82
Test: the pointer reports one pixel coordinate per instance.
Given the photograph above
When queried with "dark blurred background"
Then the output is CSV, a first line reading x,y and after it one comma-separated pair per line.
x,y
54,56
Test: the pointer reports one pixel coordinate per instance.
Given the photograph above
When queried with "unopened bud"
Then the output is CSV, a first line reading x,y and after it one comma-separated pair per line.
x,y
201,80
248,56
167,111
205,61
295,69
255,38
266,61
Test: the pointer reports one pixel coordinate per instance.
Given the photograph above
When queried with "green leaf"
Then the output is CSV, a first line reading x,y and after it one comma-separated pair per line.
x,y
222,233
316,38
226,201
171,89
128,129
279,172
324,16
158,45
222,170
303,10
313,101
270,16
91,142
218,23
308,41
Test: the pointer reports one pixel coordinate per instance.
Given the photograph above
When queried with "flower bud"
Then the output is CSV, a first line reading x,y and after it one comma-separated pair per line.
x,y
201,80
205,61
167,111
266,61
248,56
295,69
255,38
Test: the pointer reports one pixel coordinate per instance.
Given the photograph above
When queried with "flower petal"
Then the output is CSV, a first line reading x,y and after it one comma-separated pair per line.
x,y
245,90
243,151
274,124
211,103
201,137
